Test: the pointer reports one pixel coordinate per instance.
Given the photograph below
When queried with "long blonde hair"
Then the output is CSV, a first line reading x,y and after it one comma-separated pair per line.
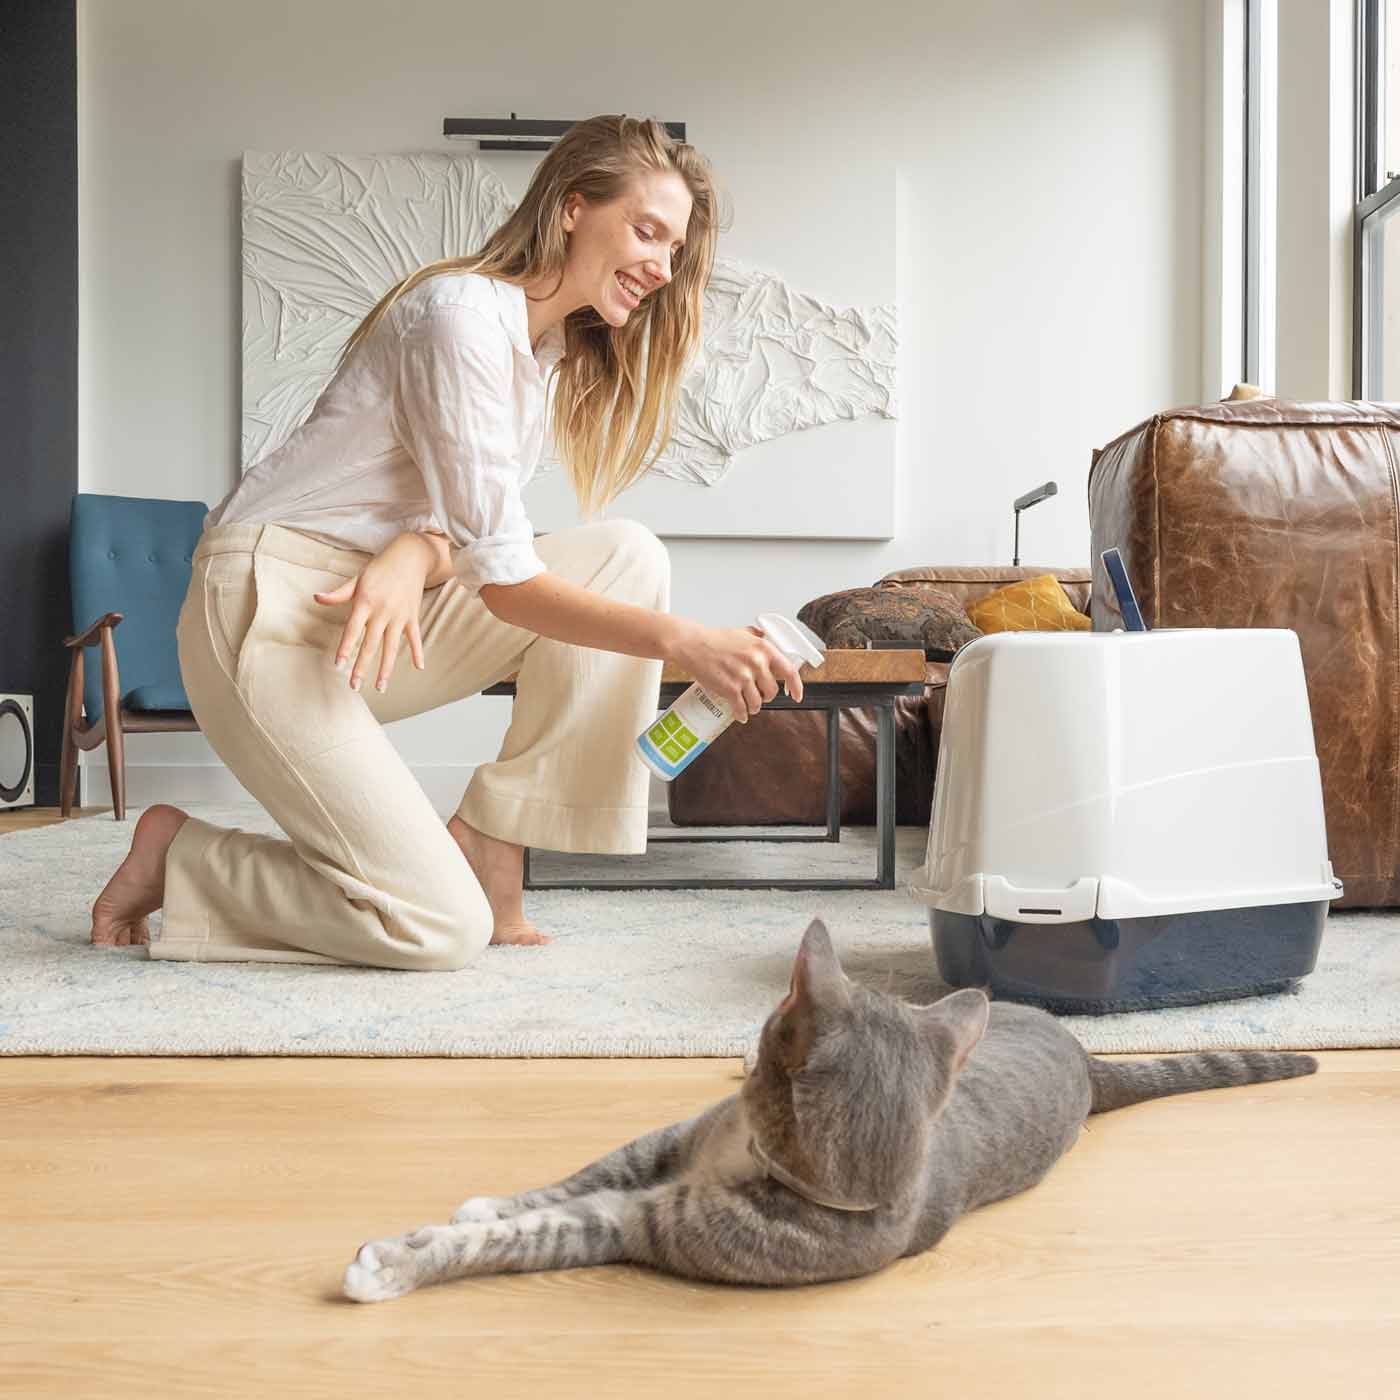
x,y
605,408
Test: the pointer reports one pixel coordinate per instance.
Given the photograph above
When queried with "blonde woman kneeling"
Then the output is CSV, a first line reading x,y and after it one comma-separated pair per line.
x,y
393,518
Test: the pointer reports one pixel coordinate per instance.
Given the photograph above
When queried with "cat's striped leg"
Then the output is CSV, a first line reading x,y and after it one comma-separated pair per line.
x,y
647,1161
577,1234
753,1232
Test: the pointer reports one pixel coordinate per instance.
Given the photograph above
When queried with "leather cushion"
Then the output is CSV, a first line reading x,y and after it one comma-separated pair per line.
x,y
968,582
858,617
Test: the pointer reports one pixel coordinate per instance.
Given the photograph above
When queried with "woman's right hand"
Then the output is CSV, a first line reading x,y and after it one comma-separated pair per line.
x,y
384,604
738,666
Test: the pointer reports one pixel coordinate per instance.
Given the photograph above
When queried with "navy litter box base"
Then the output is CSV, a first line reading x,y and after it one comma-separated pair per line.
x,y
1096,966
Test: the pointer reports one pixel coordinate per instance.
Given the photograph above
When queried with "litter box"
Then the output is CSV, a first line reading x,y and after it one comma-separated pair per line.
x,y
1125,820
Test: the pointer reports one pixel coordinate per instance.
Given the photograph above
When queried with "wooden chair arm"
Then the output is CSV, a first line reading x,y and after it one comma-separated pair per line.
x,y
101,630
89,637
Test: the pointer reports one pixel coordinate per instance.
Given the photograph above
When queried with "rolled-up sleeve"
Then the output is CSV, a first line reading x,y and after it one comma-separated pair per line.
x,y
454,412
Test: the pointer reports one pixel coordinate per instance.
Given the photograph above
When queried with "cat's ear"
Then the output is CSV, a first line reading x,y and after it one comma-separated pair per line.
x,y
957,1023
817,979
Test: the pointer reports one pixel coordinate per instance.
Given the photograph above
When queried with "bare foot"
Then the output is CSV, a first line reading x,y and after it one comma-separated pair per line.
x,y
500,867
138,887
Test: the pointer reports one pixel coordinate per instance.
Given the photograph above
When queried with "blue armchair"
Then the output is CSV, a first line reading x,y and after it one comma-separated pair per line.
x,y
128,561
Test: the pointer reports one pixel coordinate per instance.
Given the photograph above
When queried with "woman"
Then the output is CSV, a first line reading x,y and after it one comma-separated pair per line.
x,y
393,515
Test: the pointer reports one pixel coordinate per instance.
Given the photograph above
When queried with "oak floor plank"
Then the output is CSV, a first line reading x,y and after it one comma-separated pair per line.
x,y
941,1359
179,1227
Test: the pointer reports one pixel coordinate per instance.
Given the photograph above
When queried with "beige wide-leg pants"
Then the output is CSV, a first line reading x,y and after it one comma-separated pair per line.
x,y
370,874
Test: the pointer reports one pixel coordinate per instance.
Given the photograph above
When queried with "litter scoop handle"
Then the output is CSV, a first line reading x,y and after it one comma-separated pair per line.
x,y
1127,599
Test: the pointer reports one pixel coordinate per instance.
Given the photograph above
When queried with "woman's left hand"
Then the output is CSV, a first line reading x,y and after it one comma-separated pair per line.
x,y
384,604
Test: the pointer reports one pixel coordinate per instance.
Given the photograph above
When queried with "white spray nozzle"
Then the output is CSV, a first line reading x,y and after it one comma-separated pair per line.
x,y
794,639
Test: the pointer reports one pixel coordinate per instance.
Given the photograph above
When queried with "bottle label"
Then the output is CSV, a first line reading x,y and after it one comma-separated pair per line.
x,y
683,733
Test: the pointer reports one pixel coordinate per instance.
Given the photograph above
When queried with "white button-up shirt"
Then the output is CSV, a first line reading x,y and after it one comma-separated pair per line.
x,y
435,423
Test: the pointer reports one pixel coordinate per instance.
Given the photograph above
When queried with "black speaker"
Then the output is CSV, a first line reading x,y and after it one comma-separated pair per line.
x,y
16,751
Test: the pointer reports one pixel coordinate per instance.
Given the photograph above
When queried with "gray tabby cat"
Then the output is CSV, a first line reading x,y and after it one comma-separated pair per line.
x,y
867,1127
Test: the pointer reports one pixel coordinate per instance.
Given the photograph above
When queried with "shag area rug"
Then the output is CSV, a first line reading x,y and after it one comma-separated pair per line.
x,y
673,973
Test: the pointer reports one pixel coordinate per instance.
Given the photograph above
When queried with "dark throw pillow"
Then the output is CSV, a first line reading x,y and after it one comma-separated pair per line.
x,y
857,617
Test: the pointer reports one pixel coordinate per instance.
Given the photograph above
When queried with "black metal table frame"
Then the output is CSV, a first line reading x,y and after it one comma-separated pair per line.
x,y
879,695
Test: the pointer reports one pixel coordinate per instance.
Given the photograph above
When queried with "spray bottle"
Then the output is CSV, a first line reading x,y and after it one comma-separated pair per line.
x,y
697,719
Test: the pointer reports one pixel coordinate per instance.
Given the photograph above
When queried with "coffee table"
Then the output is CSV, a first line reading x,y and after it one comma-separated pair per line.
x,y
848,679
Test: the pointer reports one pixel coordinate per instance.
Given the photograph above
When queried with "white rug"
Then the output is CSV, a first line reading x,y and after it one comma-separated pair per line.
x,y
681,973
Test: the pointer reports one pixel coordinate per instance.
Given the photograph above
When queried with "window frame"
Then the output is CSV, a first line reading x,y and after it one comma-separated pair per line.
x,y
1258,349
1372,197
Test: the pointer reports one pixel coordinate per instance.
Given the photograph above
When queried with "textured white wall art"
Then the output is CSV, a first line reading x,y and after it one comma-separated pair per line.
x,y
325,235
774,361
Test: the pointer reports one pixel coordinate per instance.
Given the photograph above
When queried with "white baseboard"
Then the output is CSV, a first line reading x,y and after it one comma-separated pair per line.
x,y
211,782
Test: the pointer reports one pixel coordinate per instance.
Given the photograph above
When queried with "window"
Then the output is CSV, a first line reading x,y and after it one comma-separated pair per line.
x,y
1260,189
1376,278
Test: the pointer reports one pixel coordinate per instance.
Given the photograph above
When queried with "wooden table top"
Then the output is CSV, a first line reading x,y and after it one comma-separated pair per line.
x,y
845,667
842,667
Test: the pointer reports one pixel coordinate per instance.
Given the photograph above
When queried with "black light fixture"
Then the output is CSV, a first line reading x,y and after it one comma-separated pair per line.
x,y
1031,498
518,133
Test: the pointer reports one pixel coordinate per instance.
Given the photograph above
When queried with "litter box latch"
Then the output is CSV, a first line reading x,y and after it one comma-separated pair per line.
x,y
1061,905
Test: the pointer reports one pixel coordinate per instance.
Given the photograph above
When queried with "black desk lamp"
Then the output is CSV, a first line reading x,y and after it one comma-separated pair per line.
x,y
1031,498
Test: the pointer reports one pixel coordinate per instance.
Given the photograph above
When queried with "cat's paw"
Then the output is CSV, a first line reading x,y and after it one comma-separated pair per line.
x,y
384,1269
751,1062
478,1210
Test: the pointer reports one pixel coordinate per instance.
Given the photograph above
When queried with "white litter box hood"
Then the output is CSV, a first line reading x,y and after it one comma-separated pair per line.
x,y
1117,775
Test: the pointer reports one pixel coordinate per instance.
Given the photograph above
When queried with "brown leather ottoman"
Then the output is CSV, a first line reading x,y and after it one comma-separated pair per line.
x,y
1273,514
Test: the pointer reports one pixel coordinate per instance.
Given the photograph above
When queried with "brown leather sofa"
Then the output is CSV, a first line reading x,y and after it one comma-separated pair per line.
x,y
772,770
1266,513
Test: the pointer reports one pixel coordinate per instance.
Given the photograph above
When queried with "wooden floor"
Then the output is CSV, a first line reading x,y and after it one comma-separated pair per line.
x,y
178,1227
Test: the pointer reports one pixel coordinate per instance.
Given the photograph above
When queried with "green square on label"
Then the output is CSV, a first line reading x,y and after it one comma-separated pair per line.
x,y
673,750
657,735
685,738
672,722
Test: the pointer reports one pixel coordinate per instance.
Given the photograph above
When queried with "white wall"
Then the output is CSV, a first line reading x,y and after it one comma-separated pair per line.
x,y
1048,201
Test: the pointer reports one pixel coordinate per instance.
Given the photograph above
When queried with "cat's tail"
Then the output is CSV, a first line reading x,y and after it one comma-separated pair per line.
x,y
1118,1083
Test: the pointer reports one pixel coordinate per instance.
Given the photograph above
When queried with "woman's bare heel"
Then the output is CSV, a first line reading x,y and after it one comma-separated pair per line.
x,y
138,887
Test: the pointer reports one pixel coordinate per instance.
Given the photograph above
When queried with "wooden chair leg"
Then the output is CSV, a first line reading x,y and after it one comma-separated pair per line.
x,y
111,708
72,718
116,767
67,767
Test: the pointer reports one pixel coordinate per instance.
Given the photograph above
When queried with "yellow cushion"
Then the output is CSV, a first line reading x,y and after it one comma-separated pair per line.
x,y
1030,605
